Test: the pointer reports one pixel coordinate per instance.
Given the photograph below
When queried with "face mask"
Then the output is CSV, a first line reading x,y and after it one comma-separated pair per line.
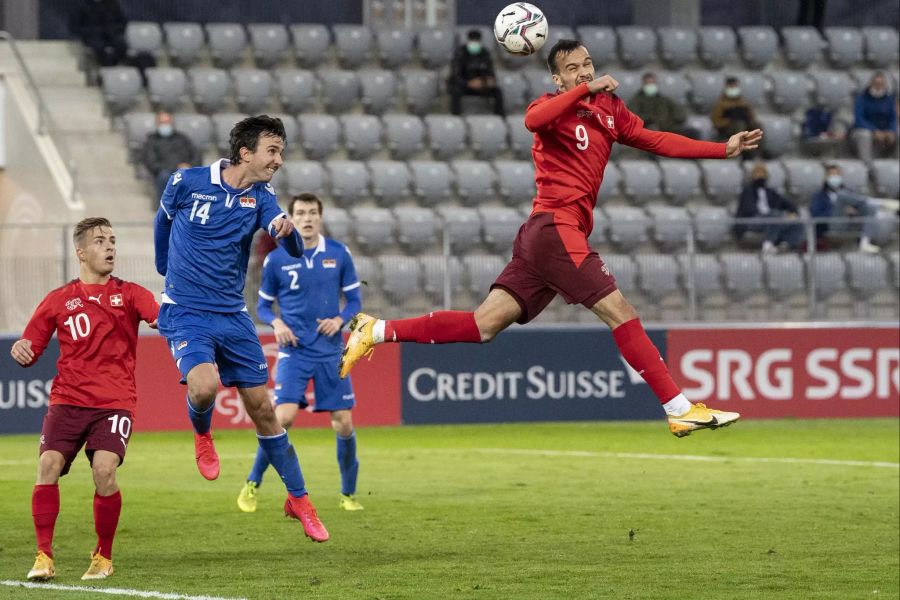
x,y
834,181
164,130
473,47
877,93
650,89
760,181
733,92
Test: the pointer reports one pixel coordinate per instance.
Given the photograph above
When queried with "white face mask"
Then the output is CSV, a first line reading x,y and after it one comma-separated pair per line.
x,y
651,89
877,93
165,130
834,181
473,47
733,92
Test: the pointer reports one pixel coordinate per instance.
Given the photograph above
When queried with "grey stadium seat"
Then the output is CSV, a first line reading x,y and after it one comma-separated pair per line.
x,y
622,267
499,225
703,125
629,84
681,179
421,89
671,225
121,88
227,43
556,33
303,176
291,132
378,89
610,187
597,236
886,178
628,226
703,271
362,135
223,123
743,274
601,42
404,135
753,88
641,179
790,90
166,87
712,226
374,227
138,125
319,135
340,89
829,273
658,274
784,274
395,46
520,139
831,89
515,180
390,181
209,88
722,180
804,177
353,44
482,270
802,46
845,46
270,42
677,46
637,45
367,270
198,128
436,269
759,44
868,273
781,135
855,174
296,89
416,227
706,87
539,83
881,45
446,135
252,89
311,43
436,47
349,181
474,181
487,135
674,85
431,181
337,224
515,90
718,46
894,259
143,37
463,225
184,42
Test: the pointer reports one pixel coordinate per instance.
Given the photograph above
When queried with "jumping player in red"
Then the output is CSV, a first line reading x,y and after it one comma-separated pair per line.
x,y
92,401
574,130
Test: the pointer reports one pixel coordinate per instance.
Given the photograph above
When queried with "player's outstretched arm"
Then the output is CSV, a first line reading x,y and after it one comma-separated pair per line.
x,y
22,353
282,228
162,227
742,141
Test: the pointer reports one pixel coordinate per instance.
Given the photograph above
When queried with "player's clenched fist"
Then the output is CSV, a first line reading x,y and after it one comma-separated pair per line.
x,y
606,83
283,227
22,353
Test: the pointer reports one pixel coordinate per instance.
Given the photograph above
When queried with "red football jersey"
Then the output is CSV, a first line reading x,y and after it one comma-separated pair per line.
x,y
573,135
97,327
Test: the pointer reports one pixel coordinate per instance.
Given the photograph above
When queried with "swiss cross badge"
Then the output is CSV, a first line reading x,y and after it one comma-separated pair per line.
x,y
116,300
609,121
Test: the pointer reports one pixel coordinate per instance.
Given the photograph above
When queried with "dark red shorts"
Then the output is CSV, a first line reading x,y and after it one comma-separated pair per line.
x,y
67,428
551,256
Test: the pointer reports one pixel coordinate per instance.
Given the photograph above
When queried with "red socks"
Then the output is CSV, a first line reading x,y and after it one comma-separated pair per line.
x,y
642,355
439,327
106,519
44,510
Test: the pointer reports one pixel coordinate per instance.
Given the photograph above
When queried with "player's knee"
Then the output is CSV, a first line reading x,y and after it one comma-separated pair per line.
x,y
50,467
104,474
202,392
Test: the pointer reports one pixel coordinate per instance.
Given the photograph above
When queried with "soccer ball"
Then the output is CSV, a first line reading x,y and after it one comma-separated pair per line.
x,y
521,28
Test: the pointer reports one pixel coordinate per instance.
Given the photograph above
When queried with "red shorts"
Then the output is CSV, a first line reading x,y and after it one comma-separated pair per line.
x,y
67,428
551,256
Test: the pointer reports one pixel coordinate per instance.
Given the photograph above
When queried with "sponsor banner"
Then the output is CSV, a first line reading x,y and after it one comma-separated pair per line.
x,y
25,392
538,375
792,372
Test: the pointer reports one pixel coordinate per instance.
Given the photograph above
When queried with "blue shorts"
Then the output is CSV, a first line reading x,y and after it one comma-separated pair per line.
x,y
292,374
227,340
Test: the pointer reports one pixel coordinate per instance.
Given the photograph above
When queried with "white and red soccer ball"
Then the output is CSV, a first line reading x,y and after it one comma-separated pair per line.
x,y
521,28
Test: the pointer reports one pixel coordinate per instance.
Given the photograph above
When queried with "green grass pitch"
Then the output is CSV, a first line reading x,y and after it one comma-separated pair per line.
x,y
480,512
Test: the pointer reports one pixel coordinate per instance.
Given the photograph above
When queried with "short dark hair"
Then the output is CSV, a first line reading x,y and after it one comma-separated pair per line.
x,y
84,226
303,197
561,47
245,134
832,167
473,34
648,74
731,80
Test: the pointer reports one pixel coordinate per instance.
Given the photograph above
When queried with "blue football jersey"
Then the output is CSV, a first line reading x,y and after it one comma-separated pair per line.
x,y
212,226
310,288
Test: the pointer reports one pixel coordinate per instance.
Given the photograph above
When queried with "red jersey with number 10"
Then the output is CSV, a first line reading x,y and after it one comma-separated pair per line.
x,y
573,135
97,326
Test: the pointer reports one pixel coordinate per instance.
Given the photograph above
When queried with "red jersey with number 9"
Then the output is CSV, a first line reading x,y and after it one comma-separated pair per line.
x,y
97,327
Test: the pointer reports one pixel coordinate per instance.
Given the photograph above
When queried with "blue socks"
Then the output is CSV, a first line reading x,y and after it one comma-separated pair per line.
x,y
260,464
200,420
349,465
283,457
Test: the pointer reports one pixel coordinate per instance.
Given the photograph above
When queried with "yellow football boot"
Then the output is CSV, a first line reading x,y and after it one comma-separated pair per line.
x,y
43,569
700,417
361,342
101,567
247,497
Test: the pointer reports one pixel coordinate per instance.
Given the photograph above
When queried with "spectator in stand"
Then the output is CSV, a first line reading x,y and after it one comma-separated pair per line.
x,y
834,200
100,25
759,200
822,133
658,111
472,74
732,113
166,150
875,124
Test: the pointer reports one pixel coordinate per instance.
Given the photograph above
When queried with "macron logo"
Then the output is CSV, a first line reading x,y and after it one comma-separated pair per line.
x,y
207,197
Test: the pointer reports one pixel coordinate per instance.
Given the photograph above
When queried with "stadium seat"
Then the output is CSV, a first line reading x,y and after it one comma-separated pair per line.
x,y
390,181
487,135
703,272
557,32
790,90
436,47
143,37
319,135
753,88
855,174
482,270
784,275
658,275
804,177
845,46
674,85
121,88
227,43
486,31
349,181
353,44
597,237
628,226
629,84
436,270
198,128
303,176
781,135
379,90
881,46
610,186
362,135
706,87
499,226
677,46
703,125
367,271
681,179
515,181
291,132
641,179
475,181
515,90
637,45
829,273
743,274
539,83
718,46
671,225
340,89
894,268
886,177
868,273
400,276
520,139
252,89
722,180
374,227
394,46
431,181
404,135
421,89
137,126
831,89
184,42
296,89
601,42
209,88
223,123
802,46
446,135
166,87
311,43
759,44
416,228
337,225
712,226
463,225
622,267
270,43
